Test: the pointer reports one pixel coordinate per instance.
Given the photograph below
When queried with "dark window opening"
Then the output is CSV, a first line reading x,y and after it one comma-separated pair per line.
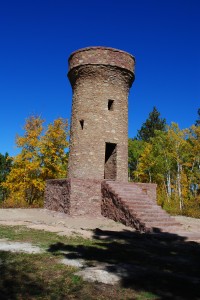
x,y
82,123
110,168
110,104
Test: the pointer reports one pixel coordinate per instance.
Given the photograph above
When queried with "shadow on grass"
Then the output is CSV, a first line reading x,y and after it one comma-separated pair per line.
x,y
17,281
164,264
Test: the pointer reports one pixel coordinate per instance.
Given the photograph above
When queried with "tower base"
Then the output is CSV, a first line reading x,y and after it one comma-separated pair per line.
x,y
74,197
133,204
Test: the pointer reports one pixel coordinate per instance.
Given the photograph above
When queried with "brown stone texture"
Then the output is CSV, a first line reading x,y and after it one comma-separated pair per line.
x,y
148,188
134,205
101,78
102,56
75,197
57,195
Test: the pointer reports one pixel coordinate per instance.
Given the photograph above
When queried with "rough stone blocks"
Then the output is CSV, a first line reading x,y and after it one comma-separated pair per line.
x,y
75,197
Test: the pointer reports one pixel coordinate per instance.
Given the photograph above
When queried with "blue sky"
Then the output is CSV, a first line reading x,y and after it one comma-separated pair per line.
x,y
37,37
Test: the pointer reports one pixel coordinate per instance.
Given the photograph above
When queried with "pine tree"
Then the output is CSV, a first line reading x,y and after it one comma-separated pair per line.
x,y
197,123
154,122
5,167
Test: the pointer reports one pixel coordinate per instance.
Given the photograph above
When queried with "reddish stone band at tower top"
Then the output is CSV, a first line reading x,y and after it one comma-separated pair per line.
x,y
102,56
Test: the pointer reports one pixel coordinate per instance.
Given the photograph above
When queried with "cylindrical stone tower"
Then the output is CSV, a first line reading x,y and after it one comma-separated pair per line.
x,y
101,78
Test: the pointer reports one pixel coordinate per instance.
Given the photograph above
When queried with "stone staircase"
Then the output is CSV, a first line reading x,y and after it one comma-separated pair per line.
x,y
133,204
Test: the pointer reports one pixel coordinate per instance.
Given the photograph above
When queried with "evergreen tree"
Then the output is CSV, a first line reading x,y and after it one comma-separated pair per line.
x,y
5,167
197,123
154,122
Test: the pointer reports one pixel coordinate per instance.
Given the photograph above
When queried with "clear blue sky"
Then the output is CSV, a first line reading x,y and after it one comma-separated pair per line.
x,y
37,37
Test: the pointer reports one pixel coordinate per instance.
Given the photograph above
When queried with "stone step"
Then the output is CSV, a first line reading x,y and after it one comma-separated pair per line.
x,y
133,196
158,219
124,188
161,224
143,209
139,203
129,193
150,216
139,206
151,213
134,200
134,187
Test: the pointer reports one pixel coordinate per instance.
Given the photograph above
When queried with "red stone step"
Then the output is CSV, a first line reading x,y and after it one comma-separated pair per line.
x,y
143,209
136,200
158,219
160,224
140,197
152,214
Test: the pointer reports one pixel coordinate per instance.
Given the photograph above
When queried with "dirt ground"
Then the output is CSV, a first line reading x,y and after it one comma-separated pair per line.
x,y
83,226
58,222
66,225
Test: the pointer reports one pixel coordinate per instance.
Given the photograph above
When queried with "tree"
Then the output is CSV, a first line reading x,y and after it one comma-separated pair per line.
x,y
42,157
180,153
154,122
53,146
146,165
135,149
197,123
5,167
194,170
162,149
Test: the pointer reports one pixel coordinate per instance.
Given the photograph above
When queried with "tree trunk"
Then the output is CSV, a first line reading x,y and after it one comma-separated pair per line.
x,y
169,191
179,169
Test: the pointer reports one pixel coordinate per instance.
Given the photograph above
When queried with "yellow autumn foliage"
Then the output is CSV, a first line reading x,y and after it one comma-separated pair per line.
x,y
43,156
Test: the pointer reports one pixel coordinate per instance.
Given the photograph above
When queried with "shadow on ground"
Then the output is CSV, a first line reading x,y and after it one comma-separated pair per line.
x,y
17,281
164,264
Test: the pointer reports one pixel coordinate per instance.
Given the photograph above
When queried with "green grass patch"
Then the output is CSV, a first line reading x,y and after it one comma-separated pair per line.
x,y
163,267
42,276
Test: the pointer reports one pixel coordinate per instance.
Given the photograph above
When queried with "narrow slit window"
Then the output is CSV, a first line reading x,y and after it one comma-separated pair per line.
x,y
82,123
110,104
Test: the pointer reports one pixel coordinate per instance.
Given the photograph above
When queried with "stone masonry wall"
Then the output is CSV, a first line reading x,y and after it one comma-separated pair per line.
x,y
98,75
102,56
85,198
75,197
149,188
57,195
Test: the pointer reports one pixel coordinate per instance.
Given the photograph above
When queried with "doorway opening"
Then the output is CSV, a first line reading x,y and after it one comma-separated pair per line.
x,y
110,167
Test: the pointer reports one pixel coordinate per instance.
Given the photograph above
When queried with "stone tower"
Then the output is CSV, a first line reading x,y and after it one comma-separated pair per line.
x,y
101,78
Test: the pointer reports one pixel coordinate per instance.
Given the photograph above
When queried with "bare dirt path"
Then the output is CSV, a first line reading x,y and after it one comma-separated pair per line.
x,y
58,222
66,225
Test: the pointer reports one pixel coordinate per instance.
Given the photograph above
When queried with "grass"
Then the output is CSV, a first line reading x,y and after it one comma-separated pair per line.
x,y
41,276
152,267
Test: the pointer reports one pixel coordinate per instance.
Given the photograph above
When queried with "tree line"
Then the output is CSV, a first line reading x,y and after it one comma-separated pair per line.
x,y
160,153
